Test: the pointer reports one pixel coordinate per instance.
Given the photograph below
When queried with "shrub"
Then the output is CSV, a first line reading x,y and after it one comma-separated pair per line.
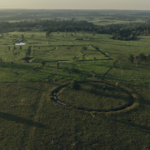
x,y
84,48
73,70
43,63
94,58
131,58
57,65
65,69
74,85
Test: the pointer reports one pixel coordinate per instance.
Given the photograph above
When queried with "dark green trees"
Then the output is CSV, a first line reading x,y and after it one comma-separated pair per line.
x,y
142,57
74,85
94,58
84,48
48,33
22,36
43,63
131,58
0,61
57,64
138,59
20,47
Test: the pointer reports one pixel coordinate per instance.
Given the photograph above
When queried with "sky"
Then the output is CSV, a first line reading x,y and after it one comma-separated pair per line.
x,y
77,4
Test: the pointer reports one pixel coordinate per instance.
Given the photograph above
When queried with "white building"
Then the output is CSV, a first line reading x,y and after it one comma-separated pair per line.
x,y
20,43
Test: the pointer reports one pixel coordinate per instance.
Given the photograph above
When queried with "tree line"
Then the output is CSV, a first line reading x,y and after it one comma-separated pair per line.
x,y
118,31
139,58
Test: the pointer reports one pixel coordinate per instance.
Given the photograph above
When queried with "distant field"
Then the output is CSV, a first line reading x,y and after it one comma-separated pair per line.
x,y
98,17
79,53
108,20
68,48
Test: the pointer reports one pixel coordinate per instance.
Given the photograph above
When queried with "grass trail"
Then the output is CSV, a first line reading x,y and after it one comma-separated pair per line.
x,y
36,116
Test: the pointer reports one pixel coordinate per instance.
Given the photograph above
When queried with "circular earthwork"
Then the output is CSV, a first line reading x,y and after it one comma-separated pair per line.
x,y
97,96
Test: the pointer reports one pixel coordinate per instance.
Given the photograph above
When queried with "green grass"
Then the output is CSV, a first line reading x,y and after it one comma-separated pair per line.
x,y
38,123
21,71
130,74
30,120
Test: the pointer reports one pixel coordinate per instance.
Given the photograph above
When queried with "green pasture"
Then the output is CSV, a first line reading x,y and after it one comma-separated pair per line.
x,y
128,73
81,56
31,119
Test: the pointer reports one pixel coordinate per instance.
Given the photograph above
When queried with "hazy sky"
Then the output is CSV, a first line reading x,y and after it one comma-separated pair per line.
x,y
77,4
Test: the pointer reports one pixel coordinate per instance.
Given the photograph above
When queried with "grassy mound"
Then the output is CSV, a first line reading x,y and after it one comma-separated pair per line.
x,y
96,96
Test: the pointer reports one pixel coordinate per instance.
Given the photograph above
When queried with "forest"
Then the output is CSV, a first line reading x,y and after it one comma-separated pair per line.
x,y
118,31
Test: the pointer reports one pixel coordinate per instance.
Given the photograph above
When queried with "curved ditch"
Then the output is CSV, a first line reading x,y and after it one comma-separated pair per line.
x,y
125,108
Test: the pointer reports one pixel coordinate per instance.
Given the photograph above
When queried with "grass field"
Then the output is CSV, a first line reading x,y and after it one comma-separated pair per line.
x,y
30,120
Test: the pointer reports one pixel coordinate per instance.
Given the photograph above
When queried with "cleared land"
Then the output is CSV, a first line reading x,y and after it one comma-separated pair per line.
x,y
29,119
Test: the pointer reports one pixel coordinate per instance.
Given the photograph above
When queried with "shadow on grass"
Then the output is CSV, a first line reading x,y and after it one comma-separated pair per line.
x,y
140,127
17,119
18,66
142,100
129,123
102,94
95,60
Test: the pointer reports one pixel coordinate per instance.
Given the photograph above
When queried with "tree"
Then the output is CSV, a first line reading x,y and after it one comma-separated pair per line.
x,y
22,36
138,62
57,65
9,48
43,63
84,48
148,57
94,58
0,60
142,57
11,64
93,73
83,57
131,58
75,58
54,80
74,85
48,33
65,69
32,36
20,47
14,48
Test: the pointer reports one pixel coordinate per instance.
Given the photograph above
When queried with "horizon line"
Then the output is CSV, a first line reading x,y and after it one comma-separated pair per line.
x,y
72,9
